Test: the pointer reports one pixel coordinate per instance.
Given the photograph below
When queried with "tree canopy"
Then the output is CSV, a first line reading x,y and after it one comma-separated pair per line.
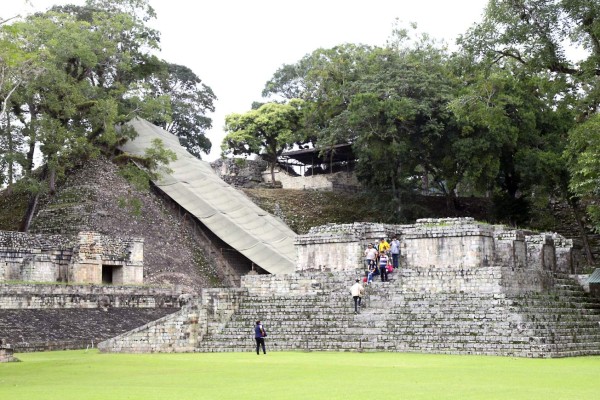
x,y
551,51
75,73
512,113
268,131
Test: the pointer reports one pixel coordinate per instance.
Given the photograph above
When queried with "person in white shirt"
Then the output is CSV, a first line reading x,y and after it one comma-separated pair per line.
x,y
371,255
357,291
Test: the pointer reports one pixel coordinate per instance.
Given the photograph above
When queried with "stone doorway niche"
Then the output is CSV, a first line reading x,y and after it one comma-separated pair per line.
x,y
112,274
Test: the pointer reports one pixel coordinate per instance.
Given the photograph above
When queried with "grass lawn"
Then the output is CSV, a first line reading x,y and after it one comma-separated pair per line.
x,y
81,375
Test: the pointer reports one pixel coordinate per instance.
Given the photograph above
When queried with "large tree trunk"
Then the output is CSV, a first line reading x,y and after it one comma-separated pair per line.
x,y
11,151
582,232
451,199
32,142
31,208
52,180
272,167
396,190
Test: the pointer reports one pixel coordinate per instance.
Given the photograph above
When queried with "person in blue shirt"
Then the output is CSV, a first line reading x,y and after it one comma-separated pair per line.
x,y
259,336
395,250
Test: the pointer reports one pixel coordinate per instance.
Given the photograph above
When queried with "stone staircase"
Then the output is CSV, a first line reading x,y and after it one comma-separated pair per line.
x,y
315,322
565,320
396,316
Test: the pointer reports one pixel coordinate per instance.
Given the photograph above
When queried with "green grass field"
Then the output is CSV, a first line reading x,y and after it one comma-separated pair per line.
x,y
85,375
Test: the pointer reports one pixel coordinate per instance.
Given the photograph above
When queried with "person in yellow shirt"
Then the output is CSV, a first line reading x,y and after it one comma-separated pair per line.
x,y
383,246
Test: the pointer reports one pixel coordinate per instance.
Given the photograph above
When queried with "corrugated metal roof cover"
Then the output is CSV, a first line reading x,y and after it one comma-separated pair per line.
x,y
227,212
595,276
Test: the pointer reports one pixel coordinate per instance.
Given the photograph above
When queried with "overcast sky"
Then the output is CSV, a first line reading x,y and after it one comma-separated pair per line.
x,y
235,46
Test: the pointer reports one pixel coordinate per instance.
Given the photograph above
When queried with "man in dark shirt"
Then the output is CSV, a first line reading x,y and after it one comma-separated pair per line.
x,y
259,336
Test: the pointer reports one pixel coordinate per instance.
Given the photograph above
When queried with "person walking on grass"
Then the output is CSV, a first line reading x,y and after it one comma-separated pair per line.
x,y
259,336
357,291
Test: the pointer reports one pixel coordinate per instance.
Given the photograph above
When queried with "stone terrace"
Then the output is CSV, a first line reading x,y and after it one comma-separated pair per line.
x,y
315,312
61,329
53,317
562,322
476,289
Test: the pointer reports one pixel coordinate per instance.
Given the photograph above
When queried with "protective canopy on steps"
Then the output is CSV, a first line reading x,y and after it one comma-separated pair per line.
x,y
227,212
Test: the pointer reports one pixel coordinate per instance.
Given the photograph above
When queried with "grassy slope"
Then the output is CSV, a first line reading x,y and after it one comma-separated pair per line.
x,y
286,375
302,209
12,210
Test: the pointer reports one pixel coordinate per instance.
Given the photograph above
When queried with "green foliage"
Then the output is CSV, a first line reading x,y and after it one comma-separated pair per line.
x,y
515,211
177,100
494,117
583,155
135,205
301,210
268,131
529,91
525,134
392,104
324,80
132,203
138,177
545,91
84,55
14,207
240,162
139,171
71,75
157,158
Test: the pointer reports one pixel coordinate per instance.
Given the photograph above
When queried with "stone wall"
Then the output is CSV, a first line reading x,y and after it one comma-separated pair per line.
x,y
453,243
6,354
27,257
313,182
565,221
174,333
71,328
123,257
240,172
22,296
332,252
568,257
82,259
334,247
58,317
252,173
305,283
182,331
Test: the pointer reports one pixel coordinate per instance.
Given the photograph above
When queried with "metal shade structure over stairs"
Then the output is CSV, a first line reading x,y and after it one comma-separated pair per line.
x,y
227,212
